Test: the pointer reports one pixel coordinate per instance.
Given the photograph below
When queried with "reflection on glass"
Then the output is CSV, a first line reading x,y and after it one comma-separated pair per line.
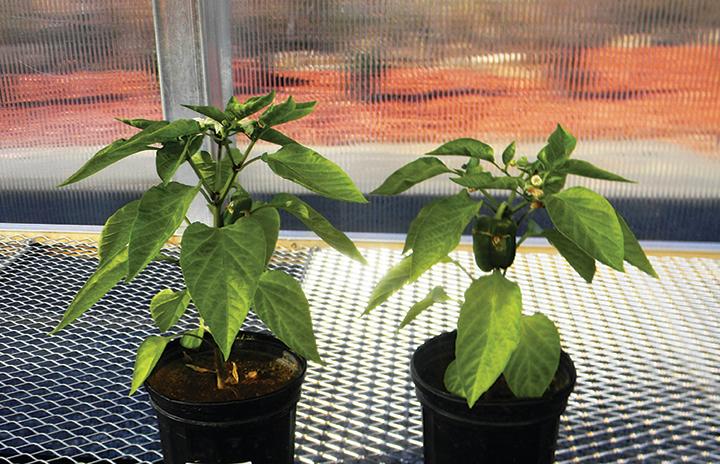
x,y
637,81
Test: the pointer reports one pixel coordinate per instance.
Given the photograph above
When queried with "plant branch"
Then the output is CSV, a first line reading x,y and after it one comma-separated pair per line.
x,y
462,268
232,178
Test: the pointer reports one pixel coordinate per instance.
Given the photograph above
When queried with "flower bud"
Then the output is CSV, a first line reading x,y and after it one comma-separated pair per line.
x,y
536,180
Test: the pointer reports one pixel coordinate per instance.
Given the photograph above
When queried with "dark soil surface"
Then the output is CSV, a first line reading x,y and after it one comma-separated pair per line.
x,y
258,374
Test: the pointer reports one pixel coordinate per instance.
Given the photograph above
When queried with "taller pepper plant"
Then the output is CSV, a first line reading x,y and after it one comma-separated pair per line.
x,y
494,338
224,265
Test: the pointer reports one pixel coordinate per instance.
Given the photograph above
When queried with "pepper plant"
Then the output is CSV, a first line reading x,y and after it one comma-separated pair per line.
x,y
494,338
224,266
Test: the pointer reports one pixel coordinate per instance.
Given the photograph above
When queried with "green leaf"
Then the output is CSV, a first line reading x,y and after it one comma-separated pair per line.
x,y
465,147
560,146
120,149
103,279
318,224
412,173
533,229
554,183
508,154
452,381
221,269
210,111
273,136
533,364
173,154
286,112
392,281
148,355
485,180
269,220
488,333
206,166
251,106
141,123
585,169
167,307
116,233
634,254
582,262
437,229
314,172
281,304
436,295
190,342
160,213
589,221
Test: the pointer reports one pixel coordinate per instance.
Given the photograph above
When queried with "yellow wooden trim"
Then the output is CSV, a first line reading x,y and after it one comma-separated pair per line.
x,y
310,243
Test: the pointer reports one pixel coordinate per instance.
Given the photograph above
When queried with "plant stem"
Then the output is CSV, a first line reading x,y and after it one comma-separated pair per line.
x,y
462,268
231,180
492,201
501,210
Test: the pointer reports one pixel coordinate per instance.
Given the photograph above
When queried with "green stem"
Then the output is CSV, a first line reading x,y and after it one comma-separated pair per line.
x,y
462,268
501,210
231,180
492,201
257,158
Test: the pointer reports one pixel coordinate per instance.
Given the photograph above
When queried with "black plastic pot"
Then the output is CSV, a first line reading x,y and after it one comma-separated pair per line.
x,y
522,431
259,430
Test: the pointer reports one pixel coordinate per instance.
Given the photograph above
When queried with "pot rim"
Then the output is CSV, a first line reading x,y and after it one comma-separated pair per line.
x,y
420,382
263,338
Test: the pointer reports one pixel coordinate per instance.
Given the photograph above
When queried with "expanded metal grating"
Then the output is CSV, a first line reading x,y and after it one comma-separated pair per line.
x,y
647,354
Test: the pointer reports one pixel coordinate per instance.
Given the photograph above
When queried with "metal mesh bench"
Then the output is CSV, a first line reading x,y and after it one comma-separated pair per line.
x,y
647,354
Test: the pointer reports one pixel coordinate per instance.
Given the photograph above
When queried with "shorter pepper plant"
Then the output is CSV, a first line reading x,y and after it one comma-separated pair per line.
x,y
224,266
494,337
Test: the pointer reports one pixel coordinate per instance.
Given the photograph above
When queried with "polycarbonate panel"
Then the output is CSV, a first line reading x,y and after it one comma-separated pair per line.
x,y
638,82
68,68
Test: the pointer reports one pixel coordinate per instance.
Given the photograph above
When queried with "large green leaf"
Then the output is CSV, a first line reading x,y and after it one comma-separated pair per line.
x,y
465,147
154,133
167,307
103,279
452,380
173,154
210,111
437,229
148,355
589,221
206,166
392,281
160,213
436,295
488,333
560,145
314,172
269,220
583,263
273,136
634,254
485,180
221,269
585,169
318,224
281,304
412,173
116,232
251,106
287,111
533,364
141,123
